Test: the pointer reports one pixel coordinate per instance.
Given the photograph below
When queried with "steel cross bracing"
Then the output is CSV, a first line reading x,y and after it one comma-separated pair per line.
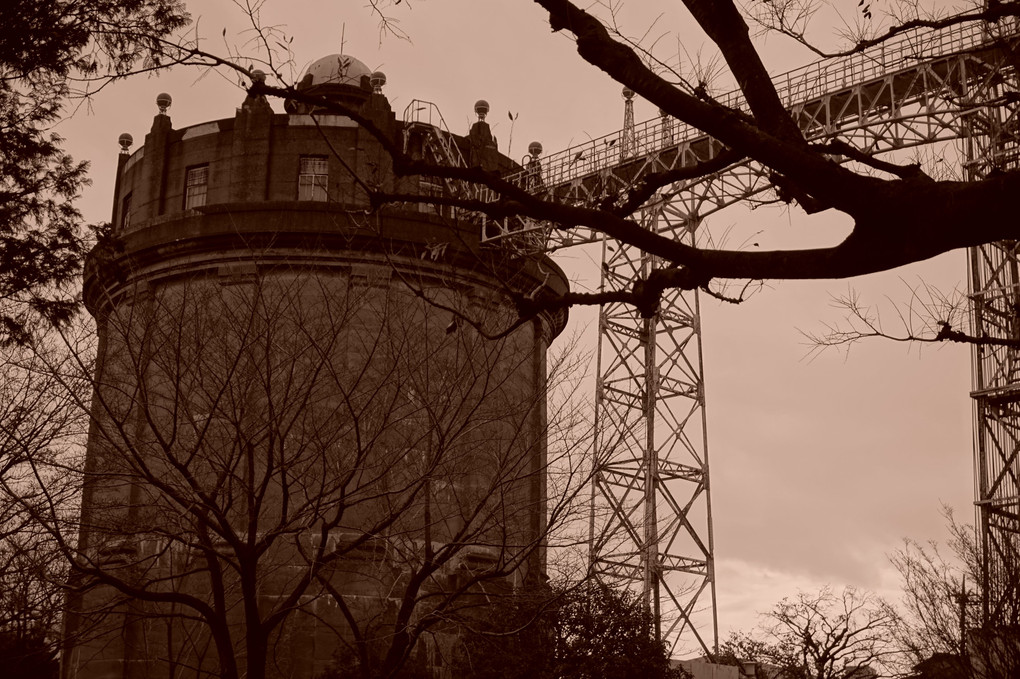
x,y
991,142
651,514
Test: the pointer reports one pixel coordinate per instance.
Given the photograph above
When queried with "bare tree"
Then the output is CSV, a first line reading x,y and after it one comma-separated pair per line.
x,y
41,427
826,635
942,608
287,466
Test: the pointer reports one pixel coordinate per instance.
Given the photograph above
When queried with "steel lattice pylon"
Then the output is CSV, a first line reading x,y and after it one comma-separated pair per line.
x,y
651,511
991,143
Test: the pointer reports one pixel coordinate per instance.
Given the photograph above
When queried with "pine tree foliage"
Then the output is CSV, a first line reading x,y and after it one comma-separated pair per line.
x,y
52,55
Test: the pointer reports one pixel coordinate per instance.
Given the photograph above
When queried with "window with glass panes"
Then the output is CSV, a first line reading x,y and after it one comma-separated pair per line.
x,y
196,184
313,177
125,212
433,187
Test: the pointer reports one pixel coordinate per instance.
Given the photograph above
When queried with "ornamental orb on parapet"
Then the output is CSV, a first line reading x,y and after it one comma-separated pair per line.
x,y
481,109
163,101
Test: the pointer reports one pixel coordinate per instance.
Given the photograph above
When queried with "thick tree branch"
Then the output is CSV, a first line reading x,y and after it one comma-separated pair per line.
x,y
725,26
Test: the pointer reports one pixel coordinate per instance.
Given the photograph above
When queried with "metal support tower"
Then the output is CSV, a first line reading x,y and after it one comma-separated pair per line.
x,y
651,512
650,507
990,126
628,141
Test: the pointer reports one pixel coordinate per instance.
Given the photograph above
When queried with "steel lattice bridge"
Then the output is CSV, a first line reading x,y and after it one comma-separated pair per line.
x,y
651,517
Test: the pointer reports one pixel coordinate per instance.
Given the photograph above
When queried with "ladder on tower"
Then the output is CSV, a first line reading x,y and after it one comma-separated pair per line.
x,y
423,122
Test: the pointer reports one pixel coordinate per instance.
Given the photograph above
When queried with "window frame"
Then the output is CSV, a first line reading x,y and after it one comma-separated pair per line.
x,y
313,186
431,187
125,211
192,197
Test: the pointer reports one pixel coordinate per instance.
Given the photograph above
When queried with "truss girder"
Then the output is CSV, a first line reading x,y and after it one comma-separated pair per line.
x,y
900,71
990,143
651,523
921,100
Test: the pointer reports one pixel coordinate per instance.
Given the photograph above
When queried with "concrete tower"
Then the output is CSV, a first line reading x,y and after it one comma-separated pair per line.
x,y
303,454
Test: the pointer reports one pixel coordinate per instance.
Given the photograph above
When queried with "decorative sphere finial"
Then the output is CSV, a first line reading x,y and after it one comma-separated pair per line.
x,y
628,93
163,101
125,140
481,109
535,149
377,80
258,76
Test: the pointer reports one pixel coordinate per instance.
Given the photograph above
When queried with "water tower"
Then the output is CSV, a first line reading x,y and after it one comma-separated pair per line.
x,y
304,450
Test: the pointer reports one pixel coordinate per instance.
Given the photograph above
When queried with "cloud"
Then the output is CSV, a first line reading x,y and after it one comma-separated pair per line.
x,y
746,590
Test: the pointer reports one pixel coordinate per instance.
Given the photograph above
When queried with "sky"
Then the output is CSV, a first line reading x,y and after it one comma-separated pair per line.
x,y
820,463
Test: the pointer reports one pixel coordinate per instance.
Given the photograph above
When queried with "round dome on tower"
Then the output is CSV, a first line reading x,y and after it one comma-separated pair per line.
x,y
338,77
336,69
